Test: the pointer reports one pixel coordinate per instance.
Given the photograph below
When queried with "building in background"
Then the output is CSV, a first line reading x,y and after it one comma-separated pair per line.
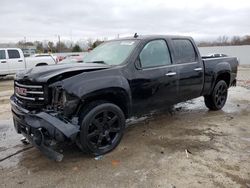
x,y
8,45
28,50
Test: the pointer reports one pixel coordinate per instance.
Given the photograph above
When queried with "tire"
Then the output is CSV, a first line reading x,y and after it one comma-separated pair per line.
x,y
102,127
41,64
218,98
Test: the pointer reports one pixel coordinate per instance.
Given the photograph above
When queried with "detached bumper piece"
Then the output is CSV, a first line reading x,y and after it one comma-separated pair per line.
x,y
43,130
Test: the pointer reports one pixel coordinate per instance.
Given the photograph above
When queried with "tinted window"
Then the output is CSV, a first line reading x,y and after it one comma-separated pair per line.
x,y
13,54
155,53
2,54
184,51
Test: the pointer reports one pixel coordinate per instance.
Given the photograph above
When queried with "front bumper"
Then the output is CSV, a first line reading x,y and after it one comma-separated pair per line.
x,y
44,130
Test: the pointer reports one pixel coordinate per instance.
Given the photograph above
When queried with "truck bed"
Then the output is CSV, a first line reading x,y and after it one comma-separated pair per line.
x,y
212,64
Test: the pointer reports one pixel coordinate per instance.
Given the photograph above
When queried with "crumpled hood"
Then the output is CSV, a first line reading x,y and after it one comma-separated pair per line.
x,y
44,73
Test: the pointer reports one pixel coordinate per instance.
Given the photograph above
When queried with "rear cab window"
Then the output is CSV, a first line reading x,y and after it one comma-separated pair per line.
x,y
13,54
184,51
155,53
2,54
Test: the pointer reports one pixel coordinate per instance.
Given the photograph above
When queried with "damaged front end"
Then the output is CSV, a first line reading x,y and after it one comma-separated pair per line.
x,y
62,102
50,125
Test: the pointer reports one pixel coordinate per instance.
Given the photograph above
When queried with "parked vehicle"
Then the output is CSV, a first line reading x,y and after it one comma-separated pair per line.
x,y
47,55
87,103
12,60
73,59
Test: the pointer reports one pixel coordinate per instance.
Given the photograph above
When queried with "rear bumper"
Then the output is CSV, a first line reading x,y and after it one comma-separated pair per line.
x,y
44,130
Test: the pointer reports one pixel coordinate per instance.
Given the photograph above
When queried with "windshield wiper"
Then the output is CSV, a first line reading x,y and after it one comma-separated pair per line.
x,y
100,62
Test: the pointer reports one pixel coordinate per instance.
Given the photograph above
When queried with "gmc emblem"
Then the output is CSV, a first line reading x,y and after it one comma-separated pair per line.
x,y
21,91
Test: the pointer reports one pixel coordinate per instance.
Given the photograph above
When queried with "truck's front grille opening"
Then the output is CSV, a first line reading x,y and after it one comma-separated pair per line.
x,y
30,95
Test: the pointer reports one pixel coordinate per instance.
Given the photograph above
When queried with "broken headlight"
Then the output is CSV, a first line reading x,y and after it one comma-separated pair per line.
x,y
64,102
69,103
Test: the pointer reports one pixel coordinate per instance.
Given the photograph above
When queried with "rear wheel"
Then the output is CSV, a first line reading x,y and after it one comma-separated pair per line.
x,y
102,126
218,98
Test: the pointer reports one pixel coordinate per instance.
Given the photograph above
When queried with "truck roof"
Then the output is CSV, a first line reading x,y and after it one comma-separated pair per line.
x,y
10,49
149,37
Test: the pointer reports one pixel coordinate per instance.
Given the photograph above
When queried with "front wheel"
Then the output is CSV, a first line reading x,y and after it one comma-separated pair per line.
x,y
102,127
218,98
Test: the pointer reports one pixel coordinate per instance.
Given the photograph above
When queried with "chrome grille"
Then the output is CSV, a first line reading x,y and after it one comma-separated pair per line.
x,y
29,95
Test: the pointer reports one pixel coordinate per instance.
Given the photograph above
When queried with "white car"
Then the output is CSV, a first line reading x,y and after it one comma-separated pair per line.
x,y
12,60
46,55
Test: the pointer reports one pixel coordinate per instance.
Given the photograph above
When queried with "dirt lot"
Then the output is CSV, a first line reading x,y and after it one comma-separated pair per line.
x,y
188,147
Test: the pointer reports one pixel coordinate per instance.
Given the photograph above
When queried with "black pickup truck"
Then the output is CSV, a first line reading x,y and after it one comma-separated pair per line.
x,y
87,103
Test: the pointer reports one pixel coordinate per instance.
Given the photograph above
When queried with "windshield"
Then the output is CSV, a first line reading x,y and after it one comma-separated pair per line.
x,y
111,53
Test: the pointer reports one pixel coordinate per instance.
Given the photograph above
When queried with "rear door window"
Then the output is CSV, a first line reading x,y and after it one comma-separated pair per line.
x,y
2,54
13,54
155,53
184,51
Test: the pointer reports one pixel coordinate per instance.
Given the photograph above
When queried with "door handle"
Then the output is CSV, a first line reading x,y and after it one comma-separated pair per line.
x,y
171,74
20,60
198,69
3,61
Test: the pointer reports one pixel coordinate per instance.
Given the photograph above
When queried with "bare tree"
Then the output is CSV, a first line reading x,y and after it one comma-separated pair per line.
x,y
235,40
222,40
90,43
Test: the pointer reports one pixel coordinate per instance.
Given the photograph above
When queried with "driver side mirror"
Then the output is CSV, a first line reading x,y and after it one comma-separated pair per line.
x,y
138,64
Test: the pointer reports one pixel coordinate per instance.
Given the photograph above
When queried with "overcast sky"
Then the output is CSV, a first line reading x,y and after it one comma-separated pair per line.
x,y
81,19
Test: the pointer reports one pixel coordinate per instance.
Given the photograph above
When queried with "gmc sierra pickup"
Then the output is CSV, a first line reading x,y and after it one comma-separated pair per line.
x,y
88,103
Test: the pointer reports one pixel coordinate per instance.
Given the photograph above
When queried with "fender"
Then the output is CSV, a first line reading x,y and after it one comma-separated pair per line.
x,y
220,68
92,85
82,87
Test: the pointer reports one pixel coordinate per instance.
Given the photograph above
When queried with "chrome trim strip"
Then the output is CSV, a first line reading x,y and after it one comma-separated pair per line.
x,y
19,107
28,86
170,65
198,69
35,92
171,74
27,98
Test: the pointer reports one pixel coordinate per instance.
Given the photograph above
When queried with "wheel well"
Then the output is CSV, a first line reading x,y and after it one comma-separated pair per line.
x,y
224,76
118,98
41,64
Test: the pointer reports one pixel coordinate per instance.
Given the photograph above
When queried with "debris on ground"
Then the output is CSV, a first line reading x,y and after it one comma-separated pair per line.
x,y
187,152
97,158
75,168
25,141
178,108
115,162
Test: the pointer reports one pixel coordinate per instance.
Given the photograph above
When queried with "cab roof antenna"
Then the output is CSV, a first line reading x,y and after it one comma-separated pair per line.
x,y
135,35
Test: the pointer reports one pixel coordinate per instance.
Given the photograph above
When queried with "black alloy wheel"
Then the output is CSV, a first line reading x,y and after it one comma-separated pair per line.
x,y
221,95
218,98
102,128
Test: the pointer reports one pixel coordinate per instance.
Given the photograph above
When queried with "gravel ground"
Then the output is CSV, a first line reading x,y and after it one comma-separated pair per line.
x,y
187,147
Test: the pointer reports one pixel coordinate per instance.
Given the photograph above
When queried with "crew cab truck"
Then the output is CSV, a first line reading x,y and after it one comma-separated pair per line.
x,y
88,103
12,60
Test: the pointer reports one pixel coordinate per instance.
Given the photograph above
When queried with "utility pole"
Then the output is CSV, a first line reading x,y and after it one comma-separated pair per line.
x,y
71,39
24,45
59,44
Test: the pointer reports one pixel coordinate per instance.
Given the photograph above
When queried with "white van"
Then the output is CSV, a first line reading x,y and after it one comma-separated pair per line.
x,y
12,60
